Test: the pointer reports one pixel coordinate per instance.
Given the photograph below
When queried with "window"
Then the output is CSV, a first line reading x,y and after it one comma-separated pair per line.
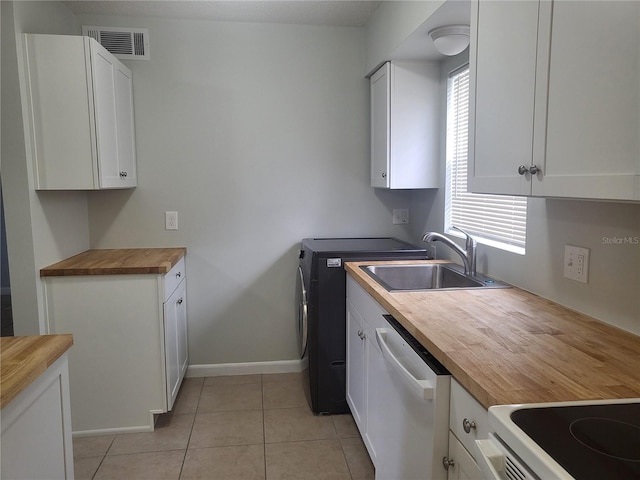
x,y
496,220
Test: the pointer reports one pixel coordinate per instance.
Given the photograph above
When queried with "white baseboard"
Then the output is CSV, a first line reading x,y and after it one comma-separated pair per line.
x,y
249,368
119,430
111,431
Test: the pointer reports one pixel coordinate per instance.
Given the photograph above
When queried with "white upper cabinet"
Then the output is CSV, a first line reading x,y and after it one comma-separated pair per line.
x,y
502,62
555,107
81,114
404,125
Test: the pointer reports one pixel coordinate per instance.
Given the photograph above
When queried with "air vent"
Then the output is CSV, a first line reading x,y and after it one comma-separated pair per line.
x,y
512,471
123,43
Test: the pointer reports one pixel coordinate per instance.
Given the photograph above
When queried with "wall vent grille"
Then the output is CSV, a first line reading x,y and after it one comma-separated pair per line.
x,y
123,43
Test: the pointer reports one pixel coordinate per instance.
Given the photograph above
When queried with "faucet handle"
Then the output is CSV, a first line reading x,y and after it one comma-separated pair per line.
x,y
470,241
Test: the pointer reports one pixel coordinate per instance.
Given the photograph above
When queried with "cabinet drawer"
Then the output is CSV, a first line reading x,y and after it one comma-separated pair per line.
x,y
174,277
465,407
370,310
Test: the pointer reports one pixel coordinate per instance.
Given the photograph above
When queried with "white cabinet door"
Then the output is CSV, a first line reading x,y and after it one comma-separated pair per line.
x,y
380,134
114,119
60,105
175,338
404,125
359,337
126,128
356,374
464,467
103,68
502,62
593,117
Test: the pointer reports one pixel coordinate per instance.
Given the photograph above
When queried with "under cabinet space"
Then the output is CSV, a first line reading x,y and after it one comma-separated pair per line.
x,y
80,100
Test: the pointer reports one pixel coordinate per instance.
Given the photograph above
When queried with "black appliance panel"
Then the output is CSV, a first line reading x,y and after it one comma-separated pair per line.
x,y
322,261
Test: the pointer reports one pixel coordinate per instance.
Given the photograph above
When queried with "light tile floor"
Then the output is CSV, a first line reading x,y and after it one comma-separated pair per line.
x,y
232,428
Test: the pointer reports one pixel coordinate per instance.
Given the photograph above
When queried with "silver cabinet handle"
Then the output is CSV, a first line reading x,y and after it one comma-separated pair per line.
x,y
362,335
180,300
468,425
533,169
447,463
178,275
384,175
123,174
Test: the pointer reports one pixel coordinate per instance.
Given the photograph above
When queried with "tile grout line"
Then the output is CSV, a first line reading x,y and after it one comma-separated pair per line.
x,y
190,432
102,459
264,429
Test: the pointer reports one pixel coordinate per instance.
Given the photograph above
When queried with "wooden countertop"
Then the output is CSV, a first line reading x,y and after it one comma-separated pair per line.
x,y
510,346
24,359
117,262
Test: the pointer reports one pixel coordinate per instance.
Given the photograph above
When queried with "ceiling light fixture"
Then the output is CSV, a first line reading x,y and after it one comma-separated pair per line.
x,y
450,39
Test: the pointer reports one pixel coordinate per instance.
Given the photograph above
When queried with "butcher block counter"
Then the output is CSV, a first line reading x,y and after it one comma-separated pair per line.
x,y
120,261
509,346
24,359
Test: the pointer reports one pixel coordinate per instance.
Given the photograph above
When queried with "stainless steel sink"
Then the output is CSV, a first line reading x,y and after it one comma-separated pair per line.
x,y
428,276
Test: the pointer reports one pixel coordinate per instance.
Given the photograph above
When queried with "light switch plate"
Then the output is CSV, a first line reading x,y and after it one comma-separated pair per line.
x,y
576,263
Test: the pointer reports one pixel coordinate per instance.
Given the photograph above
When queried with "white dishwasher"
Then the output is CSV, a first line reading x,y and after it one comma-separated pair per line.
x,y
408,407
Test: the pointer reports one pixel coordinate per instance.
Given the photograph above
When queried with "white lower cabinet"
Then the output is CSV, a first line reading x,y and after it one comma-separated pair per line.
x,y
464,467
130,346
36,429
175,336
359,350
468,422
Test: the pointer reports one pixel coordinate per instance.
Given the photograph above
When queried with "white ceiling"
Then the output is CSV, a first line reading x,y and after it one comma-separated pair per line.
x,y
307,12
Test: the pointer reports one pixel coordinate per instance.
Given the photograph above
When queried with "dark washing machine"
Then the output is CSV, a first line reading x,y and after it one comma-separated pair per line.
x,y
321,295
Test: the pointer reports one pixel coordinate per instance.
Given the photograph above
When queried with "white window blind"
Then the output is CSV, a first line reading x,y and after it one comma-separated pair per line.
x,y
497,220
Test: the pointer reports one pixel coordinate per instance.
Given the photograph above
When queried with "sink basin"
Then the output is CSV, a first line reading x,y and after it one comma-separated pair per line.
x,y
428,276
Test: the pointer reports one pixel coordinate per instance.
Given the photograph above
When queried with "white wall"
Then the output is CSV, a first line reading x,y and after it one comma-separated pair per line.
x,y
613,292
42,227
257,134
391,24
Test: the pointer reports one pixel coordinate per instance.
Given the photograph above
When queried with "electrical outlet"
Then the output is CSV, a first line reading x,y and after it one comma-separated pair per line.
x,y
400,216
576,263
171,220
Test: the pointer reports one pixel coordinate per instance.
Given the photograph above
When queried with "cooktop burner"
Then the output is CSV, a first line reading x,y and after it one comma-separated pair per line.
x,y
589,441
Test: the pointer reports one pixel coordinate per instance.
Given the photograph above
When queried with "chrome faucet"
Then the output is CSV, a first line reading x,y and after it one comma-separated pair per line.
x,y
468,254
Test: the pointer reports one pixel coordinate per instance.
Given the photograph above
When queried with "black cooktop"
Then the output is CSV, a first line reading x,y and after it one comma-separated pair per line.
x,y
591,442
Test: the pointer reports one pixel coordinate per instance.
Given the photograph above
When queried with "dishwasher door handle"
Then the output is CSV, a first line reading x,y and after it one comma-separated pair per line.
x,y
423,388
